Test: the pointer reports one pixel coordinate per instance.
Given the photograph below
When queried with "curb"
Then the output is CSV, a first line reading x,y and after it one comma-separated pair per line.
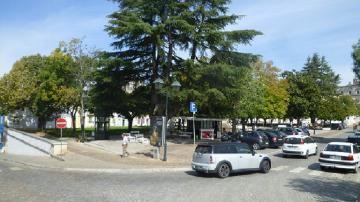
x,y
103,170
127,171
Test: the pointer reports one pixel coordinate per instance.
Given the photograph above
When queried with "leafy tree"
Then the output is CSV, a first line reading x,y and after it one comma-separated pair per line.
x,y
356,57
321,82
19,85
276,95
85,63
149,33
298,103
52,89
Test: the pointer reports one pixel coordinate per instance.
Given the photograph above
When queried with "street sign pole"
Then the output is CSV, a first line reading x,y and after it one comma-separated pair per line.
x,y
193,109
194,126
60,140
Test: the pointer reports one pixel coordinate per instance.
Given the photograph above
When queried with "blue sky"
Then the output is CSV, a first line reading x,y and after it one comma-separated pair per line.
x,y
293,30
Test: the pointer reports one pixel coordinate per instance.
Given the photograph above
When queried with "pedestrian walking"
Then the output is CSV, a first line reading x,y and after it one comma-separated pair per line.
x,y
125,144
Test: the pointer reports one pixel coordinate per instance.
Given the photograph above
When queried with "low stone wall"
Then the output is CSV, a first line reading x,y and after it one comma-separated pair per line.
x,y
22,143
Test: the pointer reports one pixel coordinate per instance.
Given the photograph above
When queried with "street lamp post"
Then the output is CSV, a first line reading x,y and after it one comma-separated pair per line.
x,y
159,83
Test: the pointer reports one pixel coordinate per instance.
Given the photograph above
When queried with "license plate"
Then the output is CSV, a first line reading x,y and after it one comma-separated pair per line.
x,y
279,139
292,146
335,157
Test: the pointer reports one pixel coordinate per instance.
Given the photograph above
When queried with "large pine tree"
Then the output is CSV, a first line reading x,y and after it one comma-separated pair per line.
x,y
150,36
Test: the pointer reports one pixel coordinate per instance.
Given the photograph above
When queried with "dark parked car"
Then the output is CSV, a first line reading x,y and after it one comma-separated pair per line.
x,y
355,138
255,139
276,138
229,137
305,131
288,130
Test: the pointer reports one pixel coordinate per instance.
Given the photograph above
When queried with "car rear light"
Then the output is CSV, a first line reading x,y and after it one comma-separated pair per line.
x,y
350,157
302,141
274,139
211,160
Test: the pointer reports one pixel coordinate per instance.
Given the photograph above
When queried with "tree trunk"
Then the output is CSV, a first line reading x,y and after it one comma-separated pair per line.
x,y
130,120
41,123
73,123
312,120
252,124
243,122
233,126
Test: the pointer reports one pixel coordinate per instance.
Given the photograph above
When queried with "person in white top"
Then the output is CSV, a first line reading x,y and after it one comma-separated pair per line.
x,y
125,145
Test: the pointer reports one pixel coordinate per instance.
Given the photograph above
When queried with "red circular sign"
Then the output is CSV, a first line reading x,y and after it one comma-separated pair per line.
x,y
60,123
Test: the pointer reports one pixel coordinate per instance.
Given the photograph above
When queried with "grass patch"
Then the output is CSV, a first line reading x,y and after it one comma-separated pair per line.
x,y
52,133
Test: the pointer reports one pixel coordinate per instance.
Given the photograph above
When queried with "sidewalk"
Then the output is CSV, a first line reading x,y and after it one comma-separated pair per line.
x,y
105,156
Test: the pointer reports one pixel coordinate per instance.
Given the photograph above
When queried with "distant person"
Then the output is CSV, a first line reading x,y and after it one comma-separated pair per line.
x,y
125,145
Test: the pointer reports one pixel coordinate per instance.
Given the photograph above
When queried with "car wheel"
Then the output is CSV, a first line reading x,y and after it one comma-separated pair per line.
x,y
307,154
256,146
356,170
265,166
223,170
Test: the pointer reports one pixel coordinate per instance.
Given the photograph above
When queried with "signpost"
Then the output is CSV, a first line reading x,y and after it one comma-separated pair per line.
x,y
193,109
61,123
2,123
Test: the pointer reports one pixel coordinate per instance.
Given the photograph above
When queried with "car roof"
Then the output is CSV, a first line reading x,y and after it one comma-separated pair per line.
x,y
218,143
341,143
297,136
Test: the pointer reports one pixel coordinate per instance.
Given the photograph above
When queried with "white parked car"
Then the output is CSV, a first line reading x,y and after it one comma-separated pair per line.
x,y
226,158
343,155
299,145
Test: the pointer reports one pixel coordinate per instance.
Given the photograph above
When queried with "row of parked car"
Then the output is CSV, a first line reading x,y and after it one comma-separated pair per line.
x,y
230,157
237,152
263,138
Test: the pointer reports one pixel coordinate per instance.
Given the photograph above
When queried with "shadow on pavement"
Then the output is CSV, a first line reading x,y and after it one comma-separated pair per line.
x,y
213,175
327,189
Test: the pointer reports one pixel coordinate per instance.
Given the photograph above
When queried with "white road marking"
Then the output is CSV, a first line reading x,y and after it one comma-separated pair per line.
x,y
279,168
316,173
297,170
15,168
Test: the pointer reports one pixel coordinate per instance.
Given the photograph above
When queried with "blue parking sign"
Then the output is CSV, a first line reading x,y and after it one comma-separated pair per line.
x,y
193,108
2,123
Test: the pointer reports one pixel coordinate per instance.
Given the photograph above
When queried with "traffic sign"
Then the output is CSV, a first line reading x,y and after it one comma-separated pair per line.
x,y
193,107
2,123
60,123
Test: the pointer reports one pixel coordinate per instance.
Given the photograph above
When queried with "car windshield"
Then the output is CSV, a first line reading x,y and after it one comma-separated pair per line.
x,y
338,148
203,149
293,140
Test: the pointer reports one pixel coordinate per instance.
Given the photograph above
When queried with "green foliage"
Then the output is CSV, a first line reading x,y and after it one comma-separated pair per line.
x,y
148,35
356,58
276,97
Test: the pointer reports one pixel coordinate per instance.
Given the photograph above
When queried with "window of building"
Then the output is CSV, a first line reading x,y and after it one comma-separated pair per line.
x,y
349,92
358,92
341,92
